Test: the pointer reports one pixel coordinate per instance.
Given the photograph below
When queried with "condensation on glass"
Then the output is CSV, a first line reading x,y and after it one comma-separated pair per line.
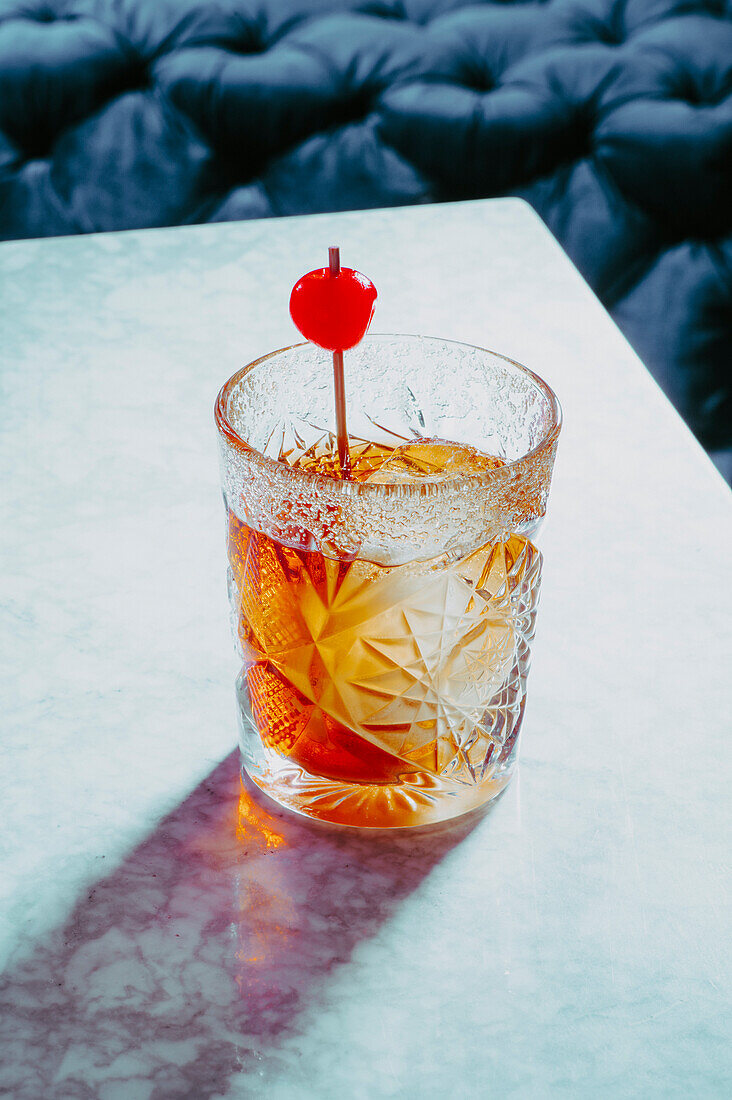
x,y
384,623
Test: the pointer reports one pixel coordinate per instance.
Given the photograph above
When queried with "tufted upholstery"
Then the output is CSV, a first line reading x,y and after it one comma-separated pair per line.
x,y
613,118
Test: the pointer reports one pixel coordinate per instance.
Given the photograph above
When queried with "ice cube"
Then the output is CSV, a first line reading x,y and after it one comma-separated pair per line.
x,y
433,459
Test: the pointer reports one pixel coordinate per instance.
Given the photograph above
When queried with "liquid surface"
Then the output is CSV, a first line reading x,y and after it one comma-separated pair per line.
x,y
377,676
378,464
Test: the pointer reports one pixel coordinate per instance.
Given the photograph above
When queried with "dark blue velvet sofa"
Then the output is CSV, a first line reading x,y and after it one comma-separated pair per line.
x,y
613,118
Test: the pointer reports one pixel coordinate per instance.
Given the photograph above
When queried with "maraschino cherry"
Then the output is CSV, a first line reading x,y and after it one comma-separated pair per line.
x,y
332,307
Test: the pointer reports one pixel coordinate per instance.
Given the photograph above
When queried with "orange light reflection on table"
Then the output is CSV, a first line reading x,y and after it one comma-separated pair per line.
x,y
252,825
266,913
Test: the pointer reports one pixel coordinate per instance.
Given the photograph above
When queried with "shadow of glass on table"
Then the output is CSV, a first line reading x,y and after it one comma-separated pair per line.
x,y
193,960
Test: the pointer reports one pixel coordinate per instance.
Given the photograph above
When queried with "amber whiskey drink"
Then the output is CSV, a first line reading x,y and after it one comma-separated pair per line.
x,y
384,622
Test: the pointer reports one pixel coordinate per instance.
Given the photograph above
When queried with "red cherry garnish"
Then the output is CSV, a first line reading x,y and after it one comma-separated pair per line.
x,y
333,311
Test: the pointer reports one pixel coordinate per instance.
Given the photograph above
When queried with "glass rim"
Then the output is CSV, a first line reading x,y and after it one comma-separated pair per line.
x,y
485,478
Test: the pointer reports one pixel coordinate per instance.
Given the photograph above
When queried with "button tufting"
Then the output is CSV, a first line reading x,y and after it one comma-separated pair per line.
x,y
479,82
608,36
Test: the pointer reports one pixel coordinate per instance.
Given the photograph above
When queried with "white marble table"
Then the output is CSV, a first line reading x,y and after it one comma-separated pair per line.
x,y
162,937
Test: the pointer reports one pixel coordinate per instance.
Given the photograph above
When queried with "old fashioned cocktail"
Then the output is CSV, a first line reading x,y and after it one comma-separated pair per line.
x,y
385,619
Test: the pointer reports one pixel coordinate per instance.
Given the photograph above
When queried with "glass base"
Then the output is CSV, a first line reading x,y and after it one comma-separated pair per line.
x,y
418,799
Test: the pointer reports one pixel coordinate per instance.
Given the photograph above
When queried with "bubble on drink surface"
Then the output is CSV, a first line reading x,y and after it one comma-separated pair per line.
x,y
432,460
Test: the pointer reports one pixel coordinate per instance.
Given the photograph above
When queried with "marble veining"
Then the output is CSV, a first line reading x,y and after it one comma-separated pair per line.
x,y
166,934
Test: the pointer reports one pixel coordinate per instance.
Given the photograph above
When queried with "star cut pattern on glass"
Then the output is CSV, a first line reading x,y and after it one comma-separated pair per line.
x,y
426,662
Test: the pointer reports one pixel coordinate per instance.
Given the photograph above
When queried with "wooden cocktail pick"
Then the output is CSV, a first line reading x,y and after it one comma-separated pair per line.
x,y
339,384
